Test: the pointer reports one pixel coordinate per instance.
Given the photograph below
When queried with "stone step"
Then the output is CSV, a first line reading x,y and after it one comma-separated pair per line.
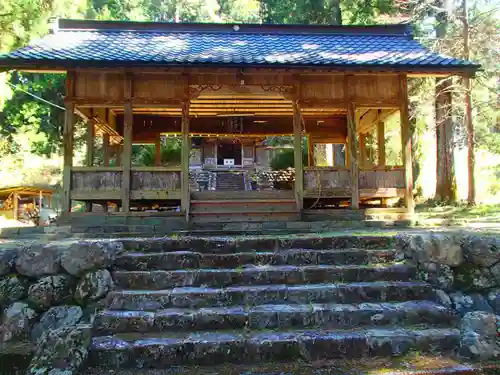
x,y
409,364
146,351
345,293
259,275
298,257
158,231
326,316
251,244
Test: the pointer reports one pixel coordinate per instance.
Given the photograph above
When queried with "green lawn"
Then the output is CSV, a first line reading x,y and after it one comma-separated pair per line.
x,y
481,213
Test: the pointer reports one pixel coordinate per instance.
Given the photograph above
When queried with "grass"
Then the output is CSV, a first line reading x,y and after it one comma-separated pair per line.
x,y
482,212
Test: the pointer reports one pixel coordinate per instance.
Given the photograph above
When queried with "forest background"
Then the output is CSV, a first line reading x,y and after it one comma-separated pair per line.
x,y
31,105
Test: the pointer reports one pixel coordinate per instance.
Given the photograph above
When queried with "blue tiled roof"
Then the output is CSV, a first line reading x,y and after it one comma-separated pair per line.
x,y
287,46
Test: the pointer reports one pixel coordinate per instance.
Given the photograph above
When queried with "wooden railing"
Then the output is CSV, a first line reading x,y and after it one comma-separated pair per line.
x,y
105,183
336,182
327,181
155,183
381,177
380,182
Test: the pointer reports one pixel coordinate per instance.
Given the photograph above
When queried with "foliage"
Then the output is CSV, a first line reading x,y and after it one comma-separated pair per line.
x,y
284,158
144,155
39,122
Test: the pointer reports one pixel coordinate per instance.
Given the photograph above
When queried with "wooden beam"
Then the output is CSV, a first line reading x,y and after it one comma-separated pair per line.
x,y
353,147
186,146
158,150
297,156
69,122
406,143
96,195
105,149
127,156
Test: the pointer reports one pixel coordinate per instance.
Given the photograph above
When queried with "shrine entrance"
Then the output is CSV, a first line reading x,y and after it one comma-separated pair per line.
x,y
229,152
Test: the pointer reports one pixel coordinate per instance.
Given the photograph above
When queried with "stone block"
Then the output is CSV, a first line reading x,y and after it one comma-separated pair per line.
x,y
93,286
478,335
50,290
481,250
39,260
8,258
55,318
17,321
12,289
83,256
65,348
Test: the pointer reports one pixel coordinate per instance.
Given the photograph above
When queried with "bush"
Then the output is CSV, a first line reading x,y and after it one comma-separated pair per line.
x,y
283,159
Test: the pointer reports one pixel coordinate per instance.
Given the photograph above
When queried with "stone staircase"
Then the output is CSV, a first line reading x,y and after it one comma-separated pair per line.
x,y
213,301
230,181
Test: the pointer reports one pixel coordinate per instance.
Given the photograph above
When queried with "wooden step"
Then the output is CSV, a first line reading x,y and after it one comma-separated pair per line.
x,y
242,195
244,206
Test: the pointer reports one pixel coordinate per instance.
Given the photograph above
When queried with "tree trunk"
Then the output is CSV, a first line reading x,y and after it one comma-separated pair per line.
x,y
445,165
471,197
337,12
415,145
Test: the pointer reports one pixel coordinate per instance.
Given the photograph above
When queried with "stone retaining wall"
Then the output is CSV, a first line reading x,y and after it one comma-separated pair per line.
x,y
48,296
465,270
49,292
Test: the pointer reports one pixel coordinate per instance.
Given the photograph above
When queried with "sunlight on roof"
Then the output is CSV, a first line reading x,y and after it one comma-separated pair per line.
x,y
284,57
239,43
74,39
169,41
223,49
310,46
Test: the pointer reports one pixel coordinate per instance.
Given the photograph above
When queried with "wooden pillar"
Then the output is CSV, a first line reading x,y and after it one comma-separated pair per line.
x,y
352,137
310,150
69,122
127,155
158,150
381,158
363,157
406,144
90,155
90,143
15,204
119,150
297,155
381,143
347,154
40,200
186,146
105,149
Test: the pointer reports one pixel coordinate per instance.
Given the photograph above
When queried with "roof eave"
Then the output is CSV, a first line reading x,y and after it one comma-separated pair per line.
x,y
63,66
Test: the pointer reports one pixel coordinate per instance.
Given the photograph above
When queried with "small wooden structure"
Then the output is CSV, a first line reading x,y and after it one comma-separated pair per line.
x,y
20,202
134,82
